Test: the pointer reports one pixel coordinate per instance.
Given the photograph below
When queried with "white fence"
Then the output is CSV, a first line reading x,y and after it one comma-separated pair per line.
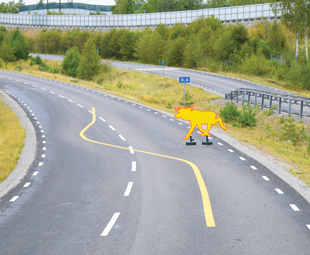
x,y
226,14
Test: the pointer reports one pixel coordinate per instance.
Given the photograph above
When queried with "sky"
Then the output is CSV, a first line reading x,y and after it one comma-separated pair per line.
x,y
100,2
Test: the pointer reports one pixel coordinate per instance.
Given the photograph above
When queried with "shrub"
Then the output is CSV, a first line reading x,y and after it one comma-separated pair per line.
x,y
247,118
71,62
292,131
230,112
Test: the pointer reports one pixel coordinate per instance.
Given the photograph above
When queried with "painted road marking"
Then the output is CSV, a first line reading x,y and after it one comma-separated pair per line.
x,y
279,191
172,119
242,158
294,207
253,167
90,111
43,136
140,107
131,150
308,226
120,136
44,142
110,225
133,166
266,178
220,144
70,101
112,127
42,131
128,189
27,184
102,119
43,155
43,88
164,116
14,199
80,106
180,123
209,219
155,112
44,148
40,164
61,96
52,92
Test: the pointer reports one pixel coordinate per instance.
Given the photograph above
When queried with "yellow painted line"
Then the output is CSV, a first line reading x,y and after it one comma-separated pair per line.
x,y
202,186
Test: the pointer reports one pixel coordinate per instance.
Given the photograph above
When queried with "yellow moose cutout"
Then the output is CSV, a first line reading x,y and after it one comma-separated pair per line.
x,y
198,118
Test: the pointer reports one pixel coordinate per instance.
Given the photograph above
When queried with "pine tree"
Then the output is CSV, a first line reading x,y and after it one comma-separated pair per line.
x,y
89,65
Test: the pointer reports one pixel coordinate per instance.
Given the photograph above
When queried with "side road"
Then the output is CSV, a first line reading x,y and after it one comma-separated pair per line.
x,y
28,153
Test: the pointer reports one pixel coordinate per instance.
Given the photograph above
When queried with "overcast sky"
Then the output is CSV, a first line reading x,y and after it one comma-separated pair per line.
x,y
100,2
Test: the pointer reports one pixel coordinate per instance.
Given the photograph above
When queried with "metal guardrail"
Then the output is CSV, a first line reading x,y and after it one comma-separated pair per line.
x,y
246,95
225,14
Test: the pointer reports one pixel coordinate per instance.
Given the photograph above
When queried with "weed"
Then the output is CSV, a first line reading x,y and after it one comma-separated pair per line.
x,y
120,84
247,118
169,106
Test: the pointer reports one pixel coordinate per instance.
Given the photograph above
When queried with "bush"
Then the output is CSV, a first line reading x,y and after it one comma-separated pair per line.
x,y
71,62
230,112
247,118
292,131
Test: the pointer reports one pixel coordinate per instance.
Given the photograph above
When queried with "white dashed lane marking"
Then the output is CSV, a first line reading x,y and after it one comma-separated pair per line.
x,y
308,226
14,199
131,149
112,127
220,144
120,136
43,155
253,167
128,189
242,158
294,207
40,164
266,178
70,101
27,184
133,166
52,92
110,225
80,106
102,119
61,96
279,191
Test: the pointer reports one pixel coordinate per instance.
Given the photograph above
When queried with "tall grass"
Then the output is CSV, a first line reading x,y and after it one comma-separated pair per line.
x,y
12,136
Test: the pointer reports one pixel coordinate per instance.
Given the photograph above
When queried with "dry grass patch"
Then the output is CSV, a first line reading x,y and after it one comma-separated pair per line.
x,y
12,136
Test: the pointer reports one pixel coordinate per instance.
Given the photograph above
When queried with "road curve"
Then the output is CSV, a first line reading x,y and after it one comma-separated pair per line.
x,y
80,197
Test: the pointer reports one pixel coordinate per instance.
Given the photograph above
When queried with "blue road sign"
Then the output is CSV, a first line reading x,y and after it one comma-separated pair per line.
x,y
184,79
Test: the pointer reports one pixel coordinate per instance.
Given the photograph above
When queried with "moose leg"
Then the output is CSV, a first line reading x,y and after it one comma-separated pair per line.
x,y
190,131
206,133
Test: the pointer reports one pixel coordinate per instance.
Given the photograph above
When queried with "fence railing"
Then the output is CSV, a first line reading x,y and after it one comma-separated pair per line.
x,y
247,94
225,14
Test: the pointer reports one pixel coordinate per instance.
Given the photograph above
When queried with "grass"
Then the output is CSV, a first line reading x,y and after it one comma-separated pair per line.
x,y
12,136
165,93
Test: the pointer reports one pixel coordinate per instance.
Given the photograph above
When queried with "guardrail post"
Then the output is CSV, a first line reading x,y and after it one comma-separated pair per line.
x,y
262,106
231,96
270,102
237,96
290,107
242,96
255,100
301,108
249,96
280,101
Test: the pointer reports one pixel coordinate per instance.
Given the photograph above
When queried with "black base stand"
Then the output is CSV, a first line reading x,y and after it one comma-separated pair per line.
x,y
207,142
191,142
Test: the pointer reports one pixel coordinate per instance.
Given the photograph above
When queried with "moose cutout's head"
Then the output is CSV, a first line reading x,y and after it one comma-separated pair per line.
x,y
183,112
198,118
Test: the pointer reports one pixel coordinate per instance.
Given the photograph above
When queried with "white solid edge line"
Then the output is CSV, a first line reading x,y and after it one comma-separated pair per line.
x,y
133,166
14,199
120,136
110,225
112,127
294,207
279,191
128,189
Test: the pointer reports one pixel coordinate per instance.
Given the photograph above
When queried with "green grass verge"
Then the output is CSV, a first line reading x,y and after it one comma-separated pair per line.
x,y
12,136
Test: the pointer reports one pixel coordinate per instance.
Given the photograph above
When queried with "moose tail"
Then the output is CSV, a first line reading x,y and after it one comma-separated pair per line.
x,y
219,120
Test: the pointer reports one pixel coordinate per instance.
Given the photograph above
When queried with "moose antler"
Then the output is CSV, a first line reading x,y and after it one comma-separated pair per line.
x,y
183,107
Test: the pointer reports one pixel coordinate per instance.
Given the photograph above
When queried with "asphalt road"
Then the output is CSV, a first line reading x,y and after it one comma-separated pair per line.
x,y
96,192
213,83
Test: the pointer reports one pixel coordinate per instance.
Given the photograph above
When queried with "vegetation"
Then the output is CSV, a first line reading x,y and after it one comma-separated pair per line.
x,y
11,7
12,136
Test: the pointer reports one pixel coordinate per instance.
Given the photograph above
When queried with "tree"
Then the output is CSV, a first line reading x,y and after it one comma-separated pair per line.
x,y
18,42
123,7
89,65
7,51
71,62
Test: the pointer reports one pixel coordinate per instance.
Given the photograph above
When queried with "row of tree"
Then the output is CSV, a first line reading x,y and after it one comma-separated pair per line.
x,y
145,6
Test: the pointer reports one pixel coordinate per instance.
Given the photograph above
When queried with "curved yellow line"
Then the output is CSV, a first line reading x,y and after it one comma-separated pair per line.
x,y
203,189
